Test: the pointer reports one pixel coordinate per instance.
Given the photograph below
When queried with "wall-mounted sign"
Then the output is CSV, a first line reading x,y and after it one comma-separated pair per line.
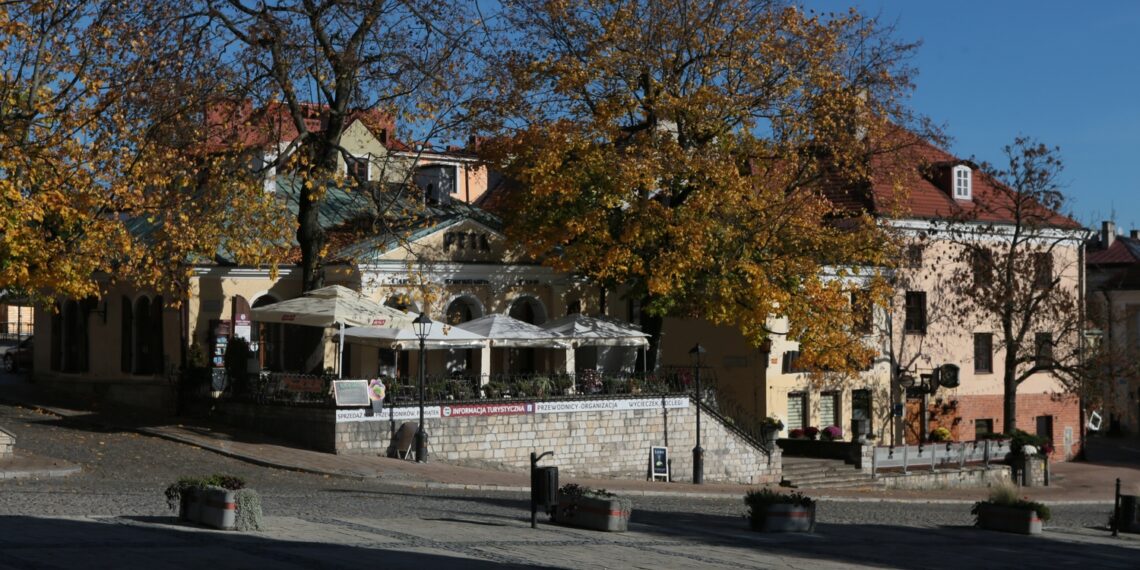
x,y
298,383
511,409
608,405
351,393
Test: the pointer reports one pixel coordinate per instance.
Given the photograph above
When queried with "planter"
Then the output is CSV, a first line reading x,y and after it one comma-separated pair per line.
x,y
593,513
1129,520
220,508
1009,519
782,517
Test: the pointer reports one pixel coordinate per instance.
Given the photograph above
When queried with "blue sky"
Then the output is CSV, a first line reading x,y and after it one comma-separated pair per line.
x,y
1066,73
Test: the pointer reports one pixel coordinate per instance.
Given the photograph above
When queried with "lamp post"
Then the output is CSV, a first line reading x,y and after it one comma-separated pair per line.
x,y
422,326
698,453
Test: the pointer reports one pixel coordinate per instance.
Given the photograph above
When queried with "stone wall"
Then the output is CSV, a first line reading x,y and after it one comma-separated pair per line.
x,y
968,478
7,443
596,442
604,444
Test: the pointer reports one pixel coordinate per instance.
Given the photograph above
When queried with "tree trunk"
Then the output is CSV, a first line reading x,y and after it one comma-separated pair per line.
x,y
652,325
1009,407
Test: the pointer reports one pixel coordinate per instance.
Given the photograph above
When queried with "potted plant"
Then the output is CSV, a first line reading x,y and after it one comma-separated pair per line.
x,y
797,433
771,511
770,427
219,501
1007,512
595,509
939,434
811,432
832,433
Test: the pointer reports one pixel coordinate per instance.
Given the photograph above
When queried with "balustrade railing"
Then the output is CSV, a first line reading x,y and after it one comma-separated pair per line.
x,y
939,455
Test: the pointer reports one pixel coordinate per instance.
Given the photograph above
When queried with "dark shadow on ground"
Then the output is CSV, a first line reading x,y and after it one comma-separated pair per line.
x,y
27,542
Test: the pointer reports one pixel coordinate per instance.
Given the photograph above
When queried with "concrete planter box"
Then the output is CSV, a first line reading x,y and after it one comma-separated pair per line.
x,y
606,514
218,508
782,517
1009,519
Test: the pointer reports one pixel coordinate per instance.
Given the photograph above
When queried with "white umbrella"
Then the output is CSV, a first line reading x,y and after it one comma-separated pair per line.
x,y
439,337
329,306
505,331
593,331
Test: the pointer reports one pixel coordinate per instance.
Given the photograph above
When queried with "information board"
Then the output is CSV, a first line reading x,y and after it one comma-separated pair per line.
x,y
659,463
351,393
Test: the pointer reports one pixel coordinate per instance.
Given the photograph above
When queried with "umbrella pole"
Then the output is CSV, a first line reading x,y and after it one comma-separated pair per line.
x,y
340,354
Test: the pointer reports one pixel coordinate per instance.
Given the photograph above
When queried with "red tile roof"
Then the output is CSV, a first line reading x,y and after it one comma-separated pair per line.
x,y
905,185
1122,251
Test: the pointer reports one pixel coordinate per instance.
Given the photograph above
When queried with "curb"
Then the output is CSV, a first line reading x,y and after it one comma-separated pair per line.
x,y
38,473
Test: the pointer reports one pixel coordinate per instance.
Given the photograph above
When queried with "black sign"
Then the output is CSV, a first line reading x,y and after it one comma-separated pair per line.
x,y
659,462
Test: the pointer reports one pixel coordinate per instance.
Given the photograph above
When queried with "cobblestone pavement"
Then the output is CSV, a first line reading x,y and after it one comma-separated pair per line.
x,y
113,514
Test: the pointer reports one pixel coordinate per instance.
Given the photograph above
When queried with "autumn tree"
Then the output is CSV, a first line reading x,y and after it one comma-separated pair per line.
x,y
324,62
683,151
1016,271
103,177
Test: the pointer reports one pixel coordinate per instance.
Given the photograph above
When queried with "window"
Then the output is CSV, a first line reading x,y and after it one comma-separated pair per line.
x,y
1043,270
358,168
913,255
862,312
915,312
797,408
828,409
983,353
1045,428
962,184
792,362
982,261
1044,349
861,404
983,428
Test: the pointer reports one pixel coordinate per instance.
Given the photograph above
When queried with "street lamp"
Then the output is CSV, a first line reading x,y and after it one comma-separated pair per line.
x,y
698,454
422,326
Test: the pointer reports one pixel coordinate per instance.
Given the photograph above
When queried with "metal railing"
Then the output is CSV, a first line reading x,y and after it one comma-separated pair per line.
x,y
935,455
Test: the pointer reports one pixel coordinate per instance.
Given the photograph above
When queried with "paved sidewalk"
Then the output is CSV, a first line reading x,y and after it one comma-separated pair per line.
x,y
1071,482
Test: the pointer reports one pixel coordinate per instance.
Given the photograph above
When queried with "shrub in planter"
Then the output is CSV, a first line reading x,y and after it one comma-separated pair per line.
x,y
940,434
1006,511
595,509
832,433
220,501
772,511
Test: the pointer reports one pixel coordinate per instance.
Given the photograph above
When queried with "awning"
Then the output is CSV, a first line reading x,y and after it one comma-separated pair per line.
x,y
505,331
441,337
594,331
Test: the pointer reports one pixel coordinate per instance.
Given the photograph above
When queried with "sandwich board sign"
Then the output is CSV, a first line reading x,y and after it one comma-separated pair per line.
x,y
659,463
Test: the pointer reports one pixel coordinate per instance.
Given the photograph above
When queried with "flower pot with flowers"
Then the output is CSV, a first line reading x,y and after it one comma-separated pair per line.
x,y
772,511
797,433
1007,512
832,433
595,509
811,432
770,427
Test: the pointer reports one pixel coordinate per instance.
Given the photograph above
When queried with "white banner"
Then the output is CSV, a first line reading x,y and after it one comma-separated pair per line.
x,y
396,414
608,405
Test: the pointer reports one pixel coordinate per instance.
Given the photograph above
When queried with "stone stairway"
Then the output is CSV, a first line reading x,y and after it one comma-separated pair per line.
x,y
813,473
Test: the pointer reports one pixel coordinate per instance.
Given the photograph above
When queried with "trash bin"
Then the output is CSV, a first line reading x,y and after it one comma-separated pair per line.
x,y
544,488
1129,520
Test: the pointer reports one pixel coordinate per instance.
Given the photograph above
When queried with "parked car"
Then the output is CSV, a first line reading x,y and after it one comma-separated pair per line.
x,y
18,356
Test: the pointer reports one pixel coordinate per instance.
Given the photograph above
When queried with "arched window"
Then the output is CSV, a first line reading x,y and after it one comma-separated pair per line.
x,y
157,352
141,350
74,337
528,309
461,310
126,337
57,337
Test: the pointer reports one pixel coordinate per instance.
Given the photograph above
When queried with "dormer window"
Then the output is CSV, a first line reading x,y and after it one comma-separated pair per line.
x,y
963,188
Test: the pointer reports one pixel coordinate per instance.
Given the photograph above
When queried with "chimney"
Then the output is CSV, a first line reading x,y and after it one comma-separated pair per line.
x,y
1107,234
